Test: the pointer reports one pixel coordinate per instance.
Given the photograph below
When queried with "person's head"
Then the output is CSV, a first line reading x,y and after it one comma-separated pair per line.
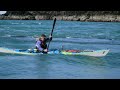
x,y
42,37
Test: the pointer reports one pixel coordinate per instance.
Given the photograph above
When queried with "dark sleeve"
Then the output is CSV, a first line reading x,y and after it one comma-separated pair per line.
x,y
49,39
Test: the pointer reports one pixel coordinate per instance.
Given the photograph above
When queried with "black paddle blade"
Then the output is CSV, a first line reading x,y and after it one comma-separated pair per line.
x,y
53,26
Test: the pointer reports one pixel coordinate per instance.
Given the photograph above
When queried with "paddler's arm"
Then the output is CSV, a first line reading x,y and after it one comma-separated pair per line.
x,y
49,39
38,46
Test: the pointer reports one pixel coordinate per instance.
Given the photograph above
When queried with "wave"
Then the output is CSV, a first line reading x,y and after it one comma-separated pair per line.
x,y
15,23
14,36
87,41
18,36
69,39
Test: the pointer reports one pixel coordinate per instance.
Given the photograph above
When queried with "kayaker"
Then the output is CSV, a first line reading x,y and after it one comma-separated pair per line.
x,y
41,45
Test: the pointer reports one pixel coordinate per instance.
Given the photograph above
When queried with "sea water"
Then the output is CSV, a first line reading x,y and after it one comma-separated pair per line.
x,y
21,34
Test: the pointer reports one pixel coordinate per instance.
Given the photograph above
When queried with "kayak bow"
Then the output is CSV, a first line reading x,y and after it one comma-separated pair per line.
x,y
95,53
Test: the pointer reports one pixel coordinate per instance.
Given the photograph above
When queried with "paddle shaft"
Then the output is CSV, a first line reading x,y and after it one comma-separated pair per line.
x,y
52,32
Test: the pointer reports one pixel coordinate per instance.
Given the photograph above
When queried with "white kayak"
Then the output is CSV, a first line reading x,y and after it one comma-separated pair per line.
x,y
94,53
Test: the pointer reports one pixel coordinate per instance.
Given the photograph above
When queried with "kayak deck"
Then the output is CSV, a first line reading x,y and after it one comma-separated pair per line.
x,y
95,53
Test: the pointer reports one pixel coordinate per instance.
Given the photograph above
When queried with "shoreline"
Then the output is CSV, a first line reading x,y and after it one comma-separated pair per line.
x,y
83,18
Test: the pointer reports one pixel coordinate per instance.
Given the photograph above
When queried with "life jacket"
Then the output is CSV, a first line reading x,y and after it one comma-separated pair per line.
x,y
43,45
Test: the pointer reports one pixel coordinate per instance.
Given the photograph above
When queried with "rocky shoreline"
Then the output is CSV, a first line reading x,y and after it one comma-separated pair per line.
x,y
68,17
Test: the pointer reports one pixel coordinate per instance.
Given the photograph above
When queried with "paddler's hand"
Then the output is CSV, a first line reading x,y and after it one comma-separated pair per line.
x,y
50,37
45,50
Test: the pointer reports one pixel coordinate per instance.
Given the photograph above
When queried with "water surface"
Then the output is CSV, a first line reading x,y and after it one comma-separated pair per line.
x,y
20,34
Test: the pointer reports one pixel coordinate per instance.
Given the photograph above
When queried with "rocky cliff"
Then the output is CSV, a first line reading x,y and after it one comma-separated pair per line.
x,y
106,16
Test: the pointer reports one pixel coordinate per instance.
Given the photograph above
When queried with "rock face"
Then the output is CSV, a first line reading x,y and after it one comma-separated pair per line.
x,y
103,16
16,17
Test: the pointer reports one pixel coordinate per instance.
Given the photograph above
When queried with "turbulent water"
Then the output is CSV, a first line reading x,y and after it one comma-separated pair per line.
x,y
21,34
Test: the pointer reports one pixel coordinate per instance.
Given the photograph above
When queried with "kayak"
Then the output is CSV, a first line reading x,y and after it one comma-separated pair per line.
x,y
94,53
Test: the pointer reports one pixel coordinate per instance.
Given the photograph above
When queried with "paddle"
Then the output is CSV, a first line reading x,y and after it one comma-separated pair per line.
x,y
51,32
